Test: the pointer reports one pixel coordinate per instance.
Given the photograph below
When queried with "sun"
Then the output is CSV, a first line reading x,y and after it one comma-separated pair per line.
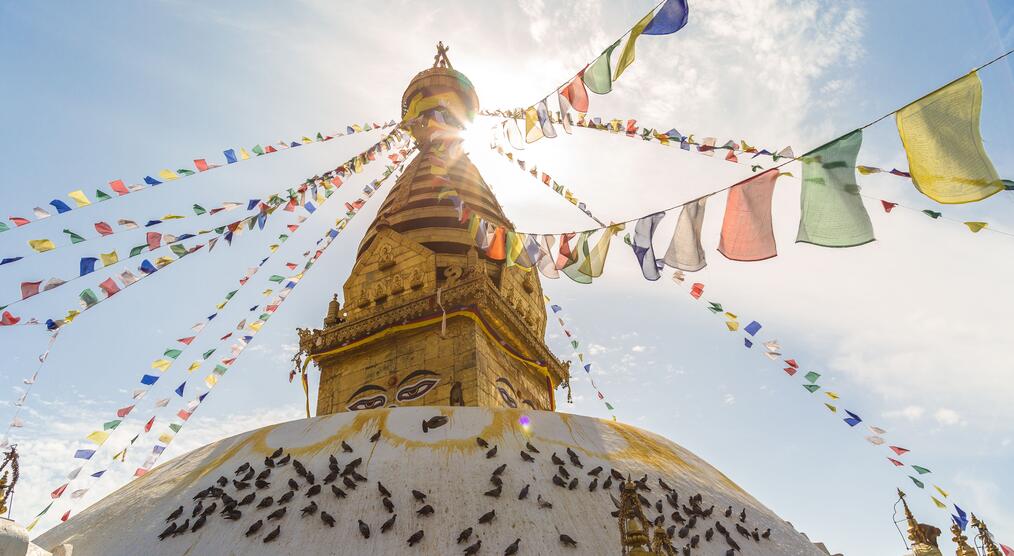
x,y
476,135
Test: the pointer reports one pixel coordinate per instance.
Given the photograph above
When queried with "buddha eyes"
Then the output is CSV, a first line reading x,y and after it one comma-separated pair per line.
x,y
507,398
371,402
416,390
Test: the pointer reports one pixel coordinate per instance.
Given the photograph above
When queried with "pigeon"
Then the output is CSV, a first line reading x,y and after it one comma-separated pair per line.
x,y
249,475
616,475
293,485
309,510
416,537
268,462
728,511
332,461
243,468
265,502
594,484
526,457
339,493
658,506
383,490
210,509
357,477
240,485
564,473
168,531
277,514
198,524
512,549
573,458
709,534
183,528
388,505
255,527
684,531
742,530
721,529
418,496
277,453
364,529
474,549
248,499
694,541
559,481
755,535
284,499
482,443
524,493
433,423
349,483
495,493
664,486
567,541
499,470
348,450
313,491
284,461
298,466
234,515
608,483
487,517
556,459
176,513
595,472
544,504
222,481
530,448
327,518
273,535
497,481
375,437
425,510
331,477
732,543
742,516
464,535
261,484
766,534
491,453
388,524
573,484
310,478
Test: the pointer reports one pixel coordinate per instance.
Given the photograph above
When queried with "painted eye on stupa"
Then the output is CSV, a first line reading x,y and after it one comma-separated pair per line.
x,y
416,385
370,396
529,403
506,390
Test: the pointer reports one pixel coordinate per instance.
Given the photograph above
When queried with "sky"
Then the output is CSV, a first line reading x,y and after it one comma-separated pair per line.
x,y
911,330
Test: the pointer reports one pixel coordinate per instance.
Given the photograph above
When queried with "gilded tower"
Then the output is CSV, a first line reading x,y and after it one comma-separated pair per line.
x,y
428,318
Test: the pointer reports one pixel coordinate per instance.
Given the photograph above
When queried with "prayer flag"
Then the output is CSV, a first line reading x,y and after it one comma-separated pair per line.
x,y
230,156
109,425
533,130
59,491
60,206
124,411
28,289
168,175
148,380
598,76
109,258
180,388
79,198
752,328
685,251
917,482
976,227
84,454
154,239
542,112
898,450
852,419
671,18
88,297
118,187
747,233
643,246
41,245
98,437
812,376
627,55
888,206
811,388
575,95
946,157
696,290
833,214
148,425
109,286
921,470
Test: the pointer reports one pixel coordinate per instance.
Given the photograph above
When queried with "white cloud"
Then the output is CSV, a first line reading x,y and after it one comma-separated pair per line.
x,y
729,399
637,349
947,417
911,412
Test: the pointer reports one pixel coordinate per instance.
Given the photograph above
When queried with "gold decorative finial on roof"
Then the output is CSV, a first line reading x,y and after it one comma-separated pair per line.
x,y
961,540
7,489
441,60
634,540
923,537
986,537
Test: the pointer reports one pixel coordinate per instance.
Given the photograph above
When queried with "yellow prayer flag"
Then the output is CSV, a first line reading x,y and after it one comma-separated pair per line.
x,y
256,325
165,438
220,305
79,198
939,504
733,325
357,127
211,380
33,523
194,366
867,170
41,245
171,217
121,455
976,227
307,140
273,247
357,166
730,315
941,136
98,437
533,129
831,395
162,261
168,175
243,155
832,408
161,364
627,56
109,258
267,292
941,491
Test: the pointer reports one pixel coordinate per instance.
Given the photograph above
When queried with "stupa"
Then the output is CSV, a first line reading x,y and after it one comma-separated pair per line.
x,y
436,431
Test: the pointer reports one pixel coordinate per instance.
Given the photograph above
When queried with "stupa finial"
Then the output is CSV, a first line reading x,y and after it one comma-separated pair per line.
x,y
986,537
441,60
923,537
961,540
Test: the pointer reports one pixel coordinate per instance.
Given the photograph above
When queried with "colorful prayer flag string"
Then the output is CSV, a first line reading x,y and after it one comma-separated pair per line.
x,y
575,347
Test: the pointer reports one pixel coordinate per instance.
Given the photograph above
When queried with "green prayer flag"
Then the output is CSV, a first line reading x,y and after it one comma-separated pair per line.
x,y
283,237
137,250
219,229
264,317
102,195
258,150
276,278
932,214
833,214
74,238
208,353
320,137
598,76
220,370
3,227
199,210
185,172
175,427
609,407
921,470
178,250
715,307
812,387
230,294
111,424
812,376
627,55
172,353
89,298
573,344
917,482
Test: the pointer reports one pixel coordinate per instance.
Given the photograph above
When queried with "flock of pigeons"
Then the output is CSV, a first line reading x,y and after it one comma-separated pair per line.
x,y
340,479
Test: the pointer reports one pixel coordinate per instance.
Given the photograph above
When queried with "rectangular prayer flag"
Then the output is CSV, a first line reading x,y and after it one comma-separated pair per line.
x,y
60,206
98,437
110,287
833,214
118,187
946,157
685,251
41,245
79,198
627,55
598,76
230,156
109,258
747,233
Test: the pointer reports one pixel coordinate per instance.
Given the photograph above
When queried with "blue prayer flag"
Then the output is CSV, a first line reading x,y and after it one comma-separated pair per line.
x,y
201,397
671,18
556,308
151,223
148,380
587,368
252,203
642,244
309,207
157,450
60,206
179,389
98,474
349,130
852,419
752,328
146,267
88,265
747,343
294,144
333,233
230,156
151,181
262,219
961,519
10,260
84,454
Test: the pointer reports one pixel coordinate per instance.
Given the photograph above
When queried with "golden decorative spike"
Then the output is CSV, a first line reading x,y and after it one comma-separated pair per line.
x,y
660,542
441,60
3,493
961,540
923,537
986,537
634,539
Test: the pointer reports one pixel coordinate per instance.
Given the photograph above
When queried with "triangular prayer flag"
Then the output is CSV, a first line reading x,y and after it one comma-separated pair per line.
x,y
976,227
898,450
888,206
896,462
79,198
179,389
98,437
917,482
59,491
921,470
124,411
852,419
811,376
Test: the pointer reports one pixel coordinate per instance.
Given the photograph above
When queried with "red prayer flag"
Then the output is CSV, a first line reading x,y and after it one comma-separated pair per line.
x,y
271,308
292,227
154,240
118,187
28,289
187,340
58,492
228,362
9,319
147,426
18,220
896,462
697,290
183,414
576,94
1007,551
103,228
601,397
226,336
291,266
201,165
497,249
792,363
747,233
109,286
140,471
270,149
789,371
124,411
336,181
66,516
731,156
888,205
899,451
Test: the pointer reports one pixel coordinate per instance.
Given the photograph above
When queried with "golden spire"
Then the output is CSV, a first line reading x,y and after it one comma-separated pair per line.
x,y
660,545
3,493
961,540
986,537
441,60
633,525
923,537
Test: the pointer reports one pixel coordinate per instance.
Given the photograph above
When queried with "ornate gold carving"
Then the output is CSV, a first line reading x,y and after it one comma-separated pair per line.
x,y
451,275
961,540
441,60
986,537
634,539
923,537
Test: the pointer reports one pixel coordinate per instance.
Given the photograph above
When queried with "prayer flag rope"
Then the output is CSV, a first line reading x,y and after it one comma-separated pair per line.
x,y
80,198
23,399
575,346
